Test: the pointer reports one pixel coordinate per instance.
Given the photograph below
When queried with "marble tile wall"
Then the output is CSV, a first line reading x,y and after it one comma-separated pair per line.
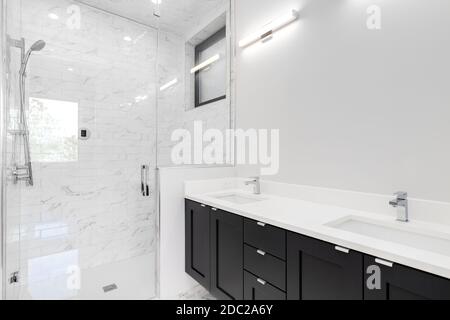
x,y
175,108
92,206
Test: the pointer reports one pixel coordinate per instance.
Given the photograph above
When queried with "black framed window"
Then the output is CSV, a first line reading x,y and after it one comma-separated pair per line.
x,y
210,82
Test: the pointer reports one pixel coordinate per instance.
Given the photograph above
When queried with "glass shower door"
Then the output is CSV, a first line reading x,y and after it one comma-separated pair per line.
x,y
86,227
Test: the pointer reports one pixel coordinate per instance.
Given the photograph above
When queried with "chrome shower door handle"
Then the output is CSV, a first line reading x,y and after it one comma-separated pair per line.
x,y
145,188
143,181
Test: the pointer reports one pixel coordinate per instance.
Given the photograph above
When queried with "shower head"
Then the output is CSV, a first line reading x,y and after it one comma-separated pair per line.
x,y
38,45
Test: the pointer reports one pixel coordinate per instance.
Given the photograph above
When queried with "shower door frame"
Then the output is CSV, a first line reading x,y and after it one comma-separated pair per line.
x,y
3,105
5,81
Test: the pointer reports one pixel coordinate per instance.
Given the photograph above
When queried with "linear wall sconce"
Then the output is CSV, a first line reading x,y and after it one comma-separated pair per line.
x,y
205,63
169,84
269,29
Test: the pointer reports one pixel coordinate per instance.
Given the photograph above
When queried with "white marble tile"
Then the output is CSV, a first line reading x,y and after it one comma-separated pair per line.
x,y
91,206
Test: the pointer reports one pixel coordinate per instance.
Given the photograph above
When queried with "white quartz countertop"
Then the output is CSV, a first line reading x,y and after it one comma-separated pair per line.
x,y
311,219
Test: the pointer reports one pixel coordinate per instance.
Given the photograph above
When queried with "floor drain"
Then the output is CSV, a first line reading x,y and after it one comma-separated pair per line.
x,y
110,288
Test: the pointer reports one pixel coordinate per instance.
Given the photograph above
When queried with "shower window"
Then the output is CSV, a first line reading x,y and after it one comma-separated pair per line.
x,y
210,82
53,130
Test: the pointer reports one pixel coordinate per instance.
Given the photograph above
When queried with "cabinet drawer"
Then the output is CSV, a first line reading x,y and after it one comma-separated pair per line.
x,y
259,289
265,266
265,237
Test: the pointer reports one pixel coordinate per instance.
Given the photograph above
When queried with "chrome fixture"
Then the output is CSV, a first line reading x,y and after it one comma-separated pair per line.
x,y
37,46
261,252
384,262
145,188
14,278
23,172
401,203
256,182
341,249
110,288
270,28
261,281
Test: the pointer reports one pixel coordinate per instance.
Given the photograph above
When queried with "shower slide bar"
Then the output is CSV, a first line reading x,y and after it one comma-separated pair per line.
x,y
23,172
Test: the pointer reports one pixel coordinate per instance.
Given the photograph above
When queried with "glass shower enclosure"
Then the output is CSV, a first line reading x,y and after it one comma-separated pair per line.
x,y
80,221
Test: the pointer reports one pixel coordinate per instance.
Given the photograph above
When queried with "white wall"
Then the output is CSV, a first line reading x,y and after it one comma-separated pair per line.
x,y
358,109
173,279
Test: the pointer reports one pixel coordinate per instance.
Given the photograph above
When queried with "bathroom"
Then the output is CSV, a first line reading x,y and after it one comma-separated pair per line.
x,y
195,149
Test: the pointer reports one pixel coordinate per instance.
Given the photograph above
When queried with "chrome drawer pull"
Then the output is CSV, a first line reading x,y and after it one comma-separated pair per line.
x,y
261,281
384,263
261,252
203,205
214,209
261,224
340,249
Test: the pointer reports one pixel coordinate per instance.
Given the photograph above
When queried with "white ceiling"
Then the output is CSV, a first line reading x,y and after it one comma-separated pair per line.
x,y
179,16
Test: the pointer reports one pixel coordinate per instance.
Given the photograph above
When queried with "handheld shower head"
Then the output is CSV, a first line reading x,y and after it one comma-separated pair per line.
x,y
37,46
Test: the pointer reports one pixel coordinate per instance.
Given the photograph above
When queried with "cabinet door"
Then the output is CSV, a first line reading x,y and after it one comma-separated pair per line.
x,y
197,241
227,255
318,270
398,282
258,289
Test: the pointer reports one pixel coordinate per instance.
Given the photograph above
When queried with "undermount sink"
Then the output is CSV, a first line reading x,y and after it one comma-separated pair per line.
x,y
239,198
397,232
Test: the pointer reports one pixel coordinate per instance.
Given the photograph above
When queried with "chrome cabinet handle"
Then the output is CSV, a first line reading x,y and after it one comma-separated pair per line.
x,y
261,281
384,263
261,224
260,252
203,205
341,249
214,209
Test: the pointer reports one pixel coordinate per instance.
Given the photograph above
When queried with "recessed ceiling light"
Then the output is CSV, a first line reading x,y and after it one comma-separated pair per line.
x,y
70,69
157,1
127,38
53,16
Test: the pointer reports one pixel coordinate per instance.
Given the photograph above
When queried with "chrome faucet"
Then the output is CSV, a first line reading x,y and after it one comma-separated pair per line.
x,y
256,182
401,203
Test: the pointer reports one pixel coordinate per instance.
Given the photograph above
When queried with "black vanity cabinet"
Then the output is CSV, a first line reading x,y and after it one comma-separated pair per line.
x,y
398,282
227,273
318,270
236,258
197,242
